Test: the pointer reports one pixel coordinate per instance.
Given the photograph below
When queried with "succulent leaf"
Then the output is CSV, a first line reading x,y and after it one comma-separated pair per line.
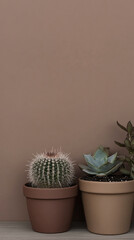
x,y
121,126
129,127
127,143
88,167
82,166
114,168
101,174
109,166
100,156
124,171
90,160
111,170
89,172
120,144
112,158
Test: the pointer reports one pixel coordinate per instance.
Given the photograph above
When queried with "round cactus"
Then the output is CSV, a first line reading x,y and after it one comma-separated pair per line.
x,y
51,170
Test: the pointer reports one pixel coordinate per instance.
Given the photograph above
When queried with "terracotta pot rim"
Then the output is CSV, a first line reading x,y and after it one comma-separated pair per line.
x,y
50,193
106,187
49,188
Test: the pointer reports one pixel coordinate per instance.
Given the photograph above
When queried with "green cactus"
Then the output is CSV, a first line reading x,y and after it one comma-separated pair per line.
x,y
51,170
129,145
101,164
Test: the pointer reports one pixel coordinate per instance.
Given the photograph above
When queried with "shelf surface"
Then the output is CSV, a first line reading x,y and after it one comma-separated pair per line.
x,y
23,231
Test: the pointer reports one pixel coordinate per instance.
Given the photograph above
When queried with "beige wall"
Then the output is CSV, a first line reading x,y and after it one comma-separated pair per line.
x,y
66,76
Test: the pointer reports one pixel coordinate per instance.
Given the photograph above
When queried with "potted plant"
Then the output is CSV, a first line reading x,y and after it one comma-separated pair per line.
x,y
107,196
129,145
51,192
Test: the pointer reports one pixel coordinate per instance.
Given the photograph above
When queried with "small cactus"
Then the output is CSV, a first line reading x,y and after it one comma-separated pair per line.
x,y
51,170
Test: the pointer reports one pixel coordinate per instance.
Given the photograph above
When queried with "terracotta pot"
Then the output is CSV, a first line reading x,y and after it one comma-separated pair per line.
x,y
50,209
108,206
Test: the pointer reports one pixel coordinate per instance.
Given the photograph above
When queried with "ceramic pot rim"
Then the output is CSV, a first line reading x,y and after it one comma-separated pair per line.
x,y
50,193
106,187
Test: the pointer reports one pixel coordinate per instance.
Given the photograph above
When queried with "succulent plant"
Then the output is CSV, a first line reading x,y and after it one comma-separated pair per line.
x,y
129,145
51,170
101,164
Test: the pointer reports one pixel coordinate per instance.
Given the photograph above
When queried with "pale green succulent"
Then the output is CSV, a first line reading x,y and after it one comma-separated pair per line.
x,y
101,164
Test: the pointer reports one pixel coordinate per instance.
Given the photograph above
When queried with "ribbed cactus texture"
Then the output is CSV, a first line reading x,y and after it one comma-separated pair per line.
x,y
51,170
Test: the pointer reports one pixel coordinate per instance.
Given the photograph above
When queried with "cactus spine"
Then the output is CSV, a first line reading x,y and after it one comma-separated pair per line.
x,y
51,170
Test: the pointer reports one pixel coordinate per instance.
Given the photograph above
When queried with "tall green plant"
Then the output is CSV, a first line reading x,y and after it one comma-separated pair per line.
x,y
129,145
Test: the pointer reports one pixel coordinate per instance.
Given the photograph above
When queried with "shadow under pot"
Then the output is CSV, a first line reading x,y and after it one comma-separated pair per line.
x,y
50,209
108,206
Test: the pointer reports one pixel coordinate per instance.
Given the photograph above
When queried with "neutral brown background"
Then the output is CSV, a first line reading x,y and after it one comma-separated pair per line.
x,y
66,76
